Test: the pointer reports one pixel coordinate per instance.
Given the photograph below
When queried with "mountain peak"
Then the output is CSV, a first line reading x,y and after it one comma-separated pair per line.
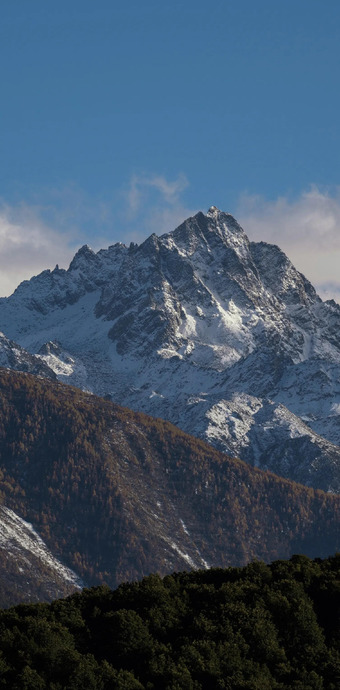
x,y
183,322
85,252
205,226
213,211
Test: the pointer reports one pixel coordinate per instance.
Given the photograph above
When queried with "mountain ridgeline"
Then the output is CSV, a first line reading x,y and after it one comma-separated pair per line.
x,y
201,327
116,495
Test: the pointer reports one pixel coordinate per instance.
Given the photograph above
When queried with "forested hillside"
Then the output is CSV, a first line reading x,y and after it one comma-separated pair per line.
x,y
116,495
259,627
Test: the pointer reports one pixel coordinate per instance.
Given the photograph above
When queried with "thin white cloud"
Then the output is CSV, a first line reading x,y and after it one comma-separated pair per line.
x,y
48,231
140,186
328,290
170,190
28,246
154,204
306,228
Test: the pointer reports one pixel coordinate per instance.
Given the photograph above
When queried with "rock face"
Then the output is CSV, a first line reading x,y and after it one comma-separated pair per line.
x,y
221,336
12,356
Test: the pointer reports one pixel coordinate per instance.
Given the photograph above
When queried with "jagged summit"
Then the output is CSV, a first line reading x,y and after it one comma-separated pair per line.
x,y
213,210
85,253
216,213
186,324
211,232
214,222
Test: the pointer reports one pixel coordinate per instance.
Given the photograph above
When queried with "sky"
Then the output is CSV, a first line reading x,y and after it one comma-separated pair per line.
x,y
122,119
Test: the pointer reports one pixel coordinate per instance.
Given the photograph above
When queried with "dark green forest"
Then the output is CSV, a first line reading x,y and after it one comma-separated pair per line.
x,y
259,627
109,490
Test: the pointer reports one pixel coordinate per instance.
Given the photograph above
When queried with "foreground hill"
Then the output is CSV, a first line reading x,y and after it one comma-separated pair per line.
x,y
116,495
259,628
219,335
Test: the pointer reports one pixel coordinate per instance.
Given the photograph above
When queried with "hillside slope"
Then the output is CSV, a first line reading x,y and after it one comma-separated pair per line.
x,y
29,571
116,495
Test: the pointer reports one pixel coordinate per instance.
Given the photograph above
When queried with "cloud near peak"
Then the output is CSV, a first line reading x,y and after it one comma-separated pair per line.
x,y
154,203
27,246
306,228
140,186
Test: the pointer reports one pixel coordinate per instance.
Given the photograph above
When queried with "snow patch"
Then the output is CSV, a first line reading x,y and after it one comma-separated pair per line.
x,y
183,555
17,534
184,528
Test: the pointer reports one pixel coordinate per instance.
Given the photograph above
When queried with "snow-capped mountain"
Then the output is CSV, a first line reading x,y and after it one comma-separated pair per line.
x,y
222,336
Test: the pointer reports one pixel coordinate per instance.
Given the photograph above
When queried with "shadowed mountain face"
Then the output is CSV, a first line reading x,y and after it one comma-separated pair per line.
x,y
219,335
114,495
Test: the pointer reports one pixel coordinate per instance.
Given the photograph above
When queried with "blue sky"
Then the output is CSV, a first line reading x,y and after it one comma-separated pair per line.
x,y
119,120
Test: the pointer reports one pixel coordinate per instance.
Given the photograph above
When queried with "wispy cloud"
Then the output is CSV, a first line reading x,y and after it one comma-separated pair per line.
x,y
156,204
28,245
140,186
306,228
48,229
328,290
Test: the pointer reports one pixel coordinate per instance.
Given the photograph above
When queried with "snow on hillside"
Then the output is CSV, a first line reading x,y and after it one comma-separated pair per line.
x,y
35,565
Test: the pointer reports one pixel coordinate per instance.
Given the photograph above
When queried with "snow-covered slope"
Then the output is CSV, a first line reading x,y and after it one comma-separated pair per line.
x,y
222,336
28,569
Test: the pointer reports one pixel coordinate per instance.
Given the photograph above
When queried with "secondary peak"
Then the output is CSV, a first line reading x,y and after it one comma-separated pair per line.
x,y
213,211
